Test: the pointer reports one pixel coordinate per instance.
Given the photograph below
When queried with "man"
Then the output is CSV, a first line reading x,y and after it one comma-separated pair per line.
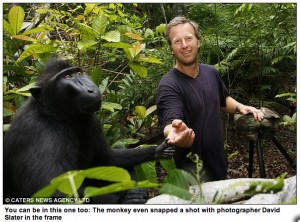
x,y
190,99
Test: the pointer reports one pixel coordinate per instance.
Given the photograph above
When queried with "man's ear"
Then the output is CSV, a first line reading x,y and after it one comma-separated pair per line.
x,y
36,92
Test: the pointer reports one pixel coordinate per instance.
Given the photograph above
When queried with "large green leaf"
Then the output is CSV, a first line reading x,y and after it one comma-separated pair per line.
x,y
47,191
148,59
112,36
150,110
85,44
116,187
113,174
177,191
137,48
7,27
89,7
117,45
149,33
96,75
43,28
36,49
161,29
8,112
134,36
141,111
177,183
100,23
16,17
111,106
69,182
139,69
87,33
146,184
168,165
177,179
26,88
24,38
146,171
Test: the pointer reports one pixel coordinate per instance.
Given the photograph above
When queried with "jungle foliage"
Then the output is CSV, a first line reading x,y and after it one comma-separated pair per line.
x,y
122,47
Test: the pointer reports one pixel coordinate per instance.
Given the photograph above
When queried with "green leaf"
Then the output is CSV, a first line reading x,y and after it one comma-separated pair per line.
x,y
146,184
69,182
97,75
134,36
47,191
139,69
141,111
112,36
6,127
100,23
177,178
120,45
42,11
150,110
113,174
103,85
87,32
148,33
8,112
148,59
26,88
35,49
116,187
168,165
24,38
85,44
176,191
7,28
285,95
177,183
161,29
287,118
111,106
294,117
89,8
16,17
137,47
38,30
146,171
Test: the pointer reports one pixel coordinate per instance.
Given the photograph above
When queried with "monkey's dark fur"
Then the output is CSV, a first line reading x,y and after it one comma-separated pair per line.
x,y
57,131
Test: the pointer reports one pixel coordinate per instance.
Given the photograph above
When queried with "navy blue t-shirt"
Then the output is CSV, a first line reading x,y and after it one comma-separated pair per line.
x,y
196,101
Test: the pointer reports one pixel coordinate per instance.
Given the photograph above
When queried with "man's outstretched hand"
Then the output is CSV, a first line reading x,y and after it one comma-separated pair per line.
x,y
179,134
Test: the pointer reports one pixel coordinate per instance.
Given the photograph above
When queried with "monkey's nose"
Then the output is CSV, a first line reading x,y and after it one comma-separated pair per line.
x,y
90,90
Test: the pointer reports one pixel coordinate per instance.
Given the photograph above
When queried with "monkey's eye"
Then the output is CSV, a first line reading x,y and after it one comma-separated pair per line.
x,y
68,76
79,73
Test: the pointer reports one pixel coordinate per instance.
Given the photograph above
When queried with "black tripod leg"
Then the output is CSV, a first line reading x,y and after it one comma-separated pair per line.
x,y
284,153
251,153
260,157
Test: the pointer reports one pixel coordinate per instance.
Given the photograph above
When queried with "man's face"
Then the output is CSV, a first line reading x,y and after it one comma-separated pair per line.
x,y
184,44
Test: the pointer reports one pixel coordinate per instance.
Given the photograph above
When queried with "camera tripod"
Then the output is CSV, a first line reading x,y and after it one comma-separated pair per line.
x,y
259,150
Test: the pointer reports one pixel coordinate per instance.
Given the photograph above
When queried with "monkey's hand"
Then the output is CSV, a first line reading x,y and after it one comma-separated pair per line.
x,y
164,150
136,196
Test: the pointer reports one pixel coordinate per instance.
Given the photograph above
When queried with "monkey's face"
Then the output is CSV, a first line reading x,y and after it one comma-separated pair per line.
x,y
76,90
68,92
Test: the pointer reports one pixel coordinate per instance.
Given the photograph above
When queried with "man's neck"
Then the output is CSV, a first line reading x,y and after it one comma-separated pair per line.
x,y
190,70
